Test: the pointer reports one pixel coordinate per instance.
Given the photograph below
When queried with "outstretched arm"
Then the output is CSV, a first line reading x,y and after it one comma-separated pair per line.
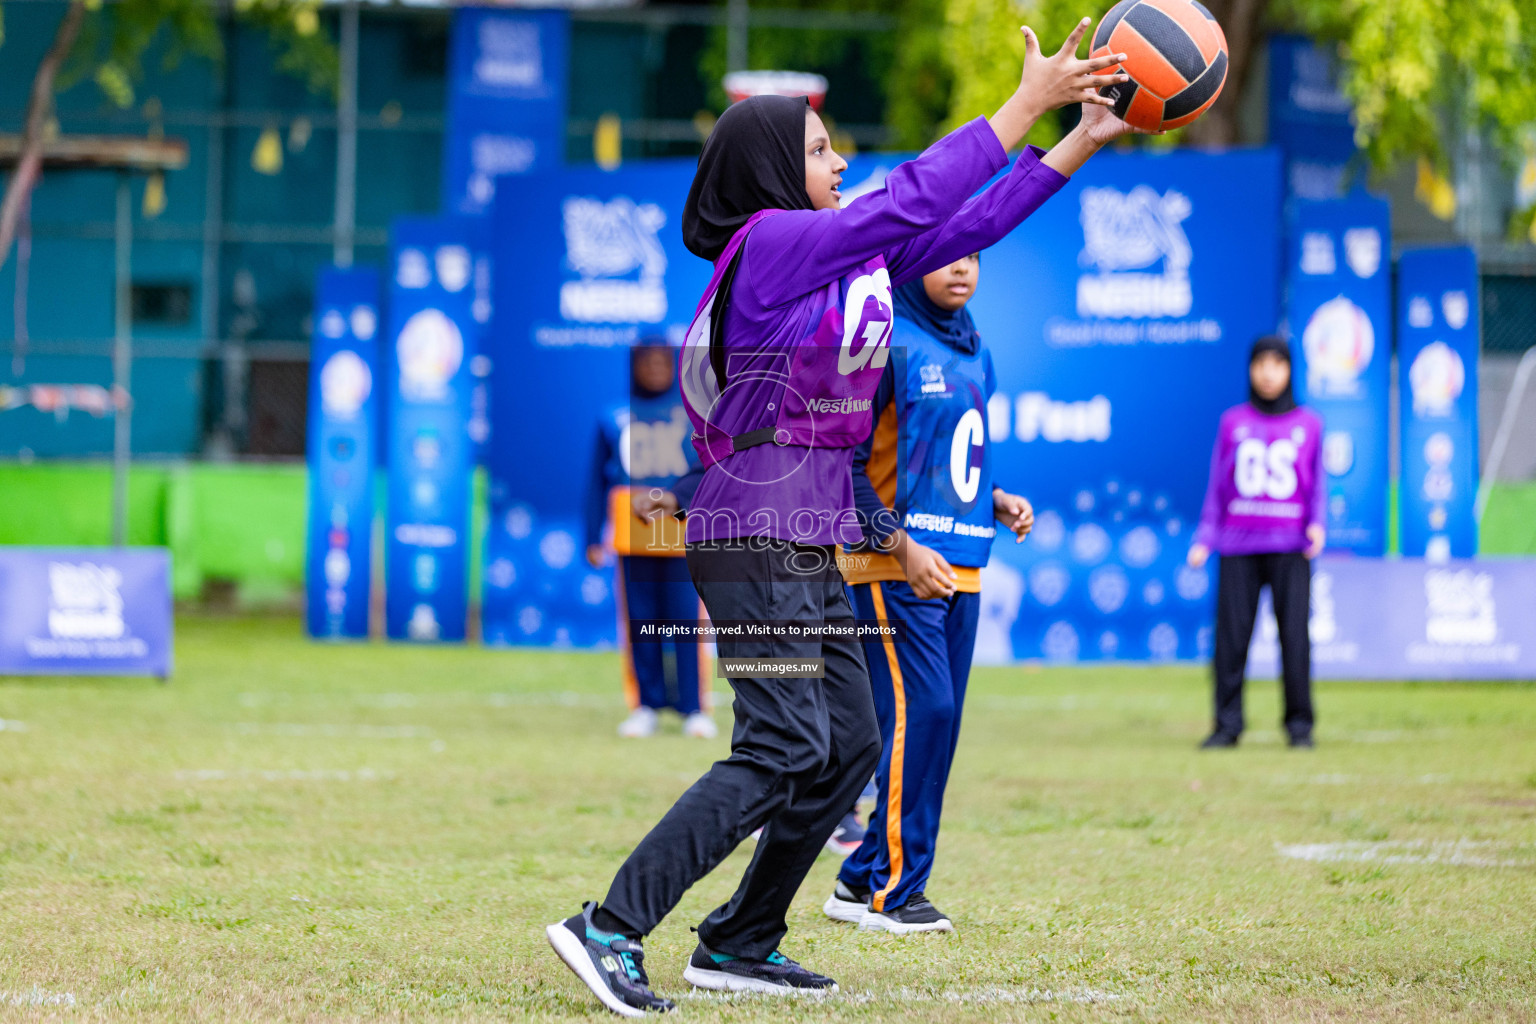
x,y
799,250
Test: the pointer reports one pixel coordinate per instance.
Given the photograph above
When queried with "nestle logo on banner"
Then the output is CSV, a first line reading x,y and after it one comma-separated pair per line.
x,y
1123,234
1459,607
84,602
510,56
606,243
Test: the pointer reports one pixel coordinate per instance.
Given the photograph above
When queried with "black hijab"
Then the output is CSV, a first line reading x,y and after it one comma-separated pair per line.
x,y
955,329
753,160
1285,401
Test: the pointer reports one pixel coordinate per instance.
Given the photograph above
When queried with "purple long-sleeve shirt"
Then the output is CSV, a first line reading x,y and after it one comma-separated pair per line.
x,y
1267,483
809,276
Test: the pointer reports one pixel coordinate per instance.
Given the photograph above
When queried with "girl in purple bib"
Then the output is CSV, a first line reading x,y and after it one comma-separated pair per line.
x,y
1263,515
778,374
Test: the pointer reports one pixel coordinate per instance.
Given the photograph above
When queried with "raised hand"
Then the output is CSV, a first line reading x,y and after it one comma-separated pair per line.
x,y
1062,78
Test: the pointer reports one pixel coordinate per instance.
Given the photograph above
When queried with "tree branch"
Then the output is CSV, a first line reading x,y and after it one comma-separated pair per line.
x,y
1242,21
39,110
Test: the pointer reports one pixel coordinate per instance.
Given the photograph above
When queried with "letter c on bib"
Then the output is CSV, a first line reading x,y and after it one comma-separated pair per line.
x,y
970,433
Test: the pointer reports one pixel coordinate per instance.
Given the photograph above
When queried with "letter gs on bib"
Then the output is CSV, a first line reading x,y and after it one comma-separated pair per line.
x,y
874,348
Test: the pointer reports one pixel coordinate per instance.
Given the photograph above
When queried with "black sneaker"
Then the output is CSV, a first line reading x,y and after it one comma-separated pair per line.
x,y
1303,742
847,903
612,966
1218,741
777,975
915,915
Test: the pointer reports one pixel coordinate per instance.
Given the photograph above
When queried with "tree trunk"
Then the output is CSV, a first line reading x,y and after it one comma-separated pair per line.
x,y
18,191
1242,21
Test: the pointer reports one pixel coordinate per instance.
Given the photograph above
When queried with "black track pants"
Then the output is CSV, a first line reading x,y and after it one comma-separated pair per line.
x,y
1288,574
801,751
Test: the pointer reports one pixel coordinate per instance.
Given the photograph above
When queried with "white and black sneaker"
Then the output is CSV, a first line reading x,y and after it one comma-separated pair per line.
x,y
846,903
609,964
915,915
777,975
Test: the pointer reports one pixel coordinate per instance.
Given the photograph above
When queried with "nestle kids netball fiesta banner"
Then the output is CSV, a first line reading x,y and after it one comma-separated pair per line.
x,y
1119,317
506,100
1339,314
1410,618
431,340
85,611
343,440
1437,350
587,263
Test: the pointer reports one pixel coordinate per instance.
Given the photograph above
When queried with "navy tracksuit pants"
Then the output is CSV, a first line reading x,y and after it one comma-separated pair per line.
x,y
651,587
919,688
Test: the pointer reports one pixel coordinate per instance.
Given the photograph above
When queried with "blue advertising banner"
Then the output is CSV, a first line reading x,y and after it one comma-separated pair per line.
x,y
85,611
1338,311
1438,344
343,440
587,263
1413,619
1119,317
1309,117
506,100
433,337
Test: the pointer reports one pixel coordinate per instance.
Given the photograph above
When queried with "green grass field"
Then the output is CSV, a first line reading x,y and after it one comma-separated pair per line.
x,y
291,831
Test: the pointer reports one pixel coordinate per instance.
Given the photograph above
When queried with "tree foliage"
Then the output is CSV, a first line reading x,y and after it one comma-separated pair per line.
x,y
1418,71
107,42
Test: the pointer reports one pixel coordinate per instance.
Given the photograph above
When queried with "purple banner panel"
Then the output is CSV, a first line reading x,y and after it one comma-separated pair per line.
x,y
1407,618
85,611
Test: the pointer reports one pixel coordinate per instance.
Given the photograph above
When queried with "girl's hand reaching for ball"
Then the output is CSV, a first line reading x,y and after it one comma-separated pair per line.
x,y
1047,83
1102,127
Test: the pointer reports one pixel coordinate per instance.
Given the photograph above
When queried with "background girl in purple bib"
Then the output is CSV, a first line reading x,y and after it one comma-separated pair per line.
x,y
1263,515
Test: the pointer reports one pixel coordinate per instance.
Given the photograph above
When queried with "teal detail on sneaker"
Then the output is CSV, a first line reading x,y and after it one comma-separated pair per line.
x,y
721,958
606,938
777,958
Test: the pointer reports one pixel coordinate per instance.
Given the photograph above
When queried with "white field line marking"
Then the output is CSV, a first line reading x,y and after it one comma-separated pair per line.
x,y
37,997
366,732
12,725
392,701
980,994
1460,852
293,775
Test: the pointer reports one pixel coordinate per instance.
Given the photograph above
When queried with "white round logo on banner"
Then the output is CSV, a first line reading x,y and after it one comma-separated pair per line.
x,y
332,324
1456,309
453,267
430,350
1436,379
365,322
1338,341
345,383
1439,449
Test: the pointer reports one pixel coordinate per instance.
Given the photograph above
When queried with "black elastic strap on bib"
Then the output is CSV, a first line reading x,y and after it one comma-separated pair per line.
x,y
753,438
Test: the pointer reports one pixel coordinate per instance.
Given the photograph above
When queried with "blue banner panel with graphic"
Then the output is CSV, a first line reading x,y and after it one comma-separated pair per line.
x,y
1119,317
343,441
587,263
506,100
1437,357
1338,311
1309,117
433,339
85,611
1409,618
